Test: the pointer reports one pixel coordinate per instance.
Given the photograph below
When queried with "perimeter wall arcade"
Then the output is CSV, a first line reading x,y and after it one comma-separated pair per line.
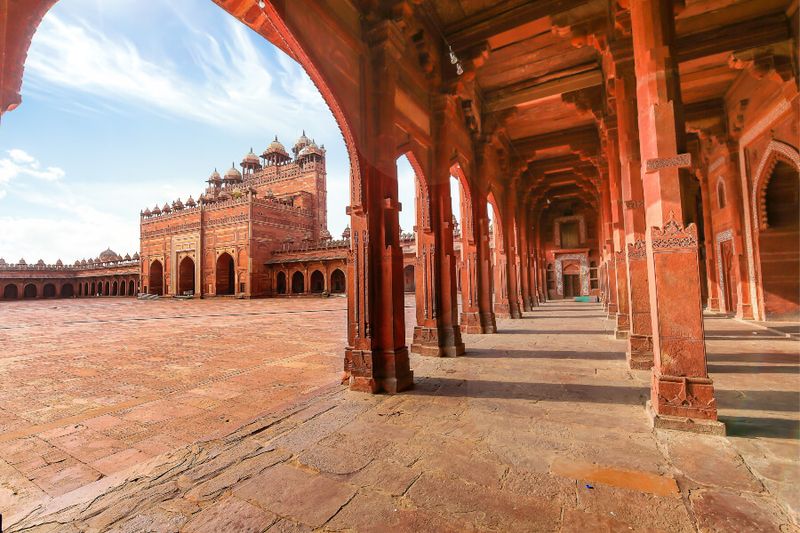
x,y
671,125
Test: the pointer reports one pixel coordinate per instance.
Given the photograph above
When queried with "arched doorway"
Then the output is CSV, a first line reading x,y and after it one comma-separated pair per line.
x,y
298,283
29,291
131,288
10,292
122,288
156,278
186,276
67,291
94,289
779,244
114,289
49,291
409,284
280,283
107,291
225,274
338,282
317,282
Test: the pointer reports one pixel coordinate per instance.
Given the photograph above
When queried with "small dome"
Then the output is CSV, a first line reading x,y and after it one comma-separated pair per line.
x,y
22,261
251,158
311,148
177,205
2,261
214,178
83,262
166,208
346,233
77,263
275,147
232,173
109,255
127,257
156,210
302,141
40,262
146,212
190,202
59,263
136,256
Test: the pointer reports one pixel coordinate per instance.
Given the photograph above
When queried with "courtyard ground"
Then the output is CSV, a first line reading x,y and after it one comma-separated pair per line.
x,y
225,415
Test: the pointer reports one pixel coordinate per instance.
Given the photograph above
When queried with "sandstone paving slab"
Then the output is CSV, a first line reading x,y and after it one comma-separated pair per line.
x,y
727,511
230,514
303,496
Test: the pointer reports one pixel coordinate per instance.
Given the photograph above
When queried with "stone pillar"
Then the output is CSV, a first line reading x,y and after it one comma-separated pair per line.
x,y
484,267
682,394
711,247
511,252
376,357
610,303
618,232
470,315
744,307
640,338
524,259
501,307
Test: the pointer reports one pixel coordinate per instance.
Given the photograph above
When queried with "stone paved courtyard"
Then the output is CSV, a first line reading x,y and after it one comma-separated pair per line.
x,y
225,415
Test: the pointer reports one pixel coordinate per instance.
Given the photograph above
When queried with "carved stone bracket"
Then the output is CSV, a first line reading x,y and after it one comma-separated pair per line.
x,y
674,236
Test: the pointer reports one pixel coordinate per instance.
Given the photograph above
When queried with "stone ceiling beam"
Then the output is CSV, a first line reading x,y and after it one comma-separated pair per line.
x,y
748,34
500,18
529,93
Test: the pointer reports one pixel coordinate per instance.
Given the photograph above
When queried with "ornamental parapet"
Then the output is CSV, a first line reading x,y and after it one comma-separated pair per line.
x,y
68,268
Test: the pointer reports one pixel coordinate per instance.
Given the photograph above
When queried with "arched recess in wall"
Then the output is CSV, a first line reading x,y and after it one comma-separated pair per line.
x,y
114,288
338,282
131,288
107,291
497,247
186,276
94,289
280,283
776,210
408,279
317,282
10,292
156,277
225,274
49,291
462,227
298,283
67,290
122,288
30,291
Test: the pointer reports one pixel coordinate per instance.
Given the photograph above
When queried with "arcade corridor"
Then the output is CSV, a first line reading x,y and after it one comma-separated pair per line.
x,y
537,428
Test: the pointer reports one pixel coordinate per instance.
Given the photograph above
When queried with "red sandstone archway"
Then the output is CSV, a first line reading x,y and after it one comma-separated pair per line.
x,y
30,291
67,291
156,278
280,283
94,289
122,288
114,289
107,291
317,282
10,292
225,274
298,283
779,243
49,291
131,288
338,282
186,276
409,284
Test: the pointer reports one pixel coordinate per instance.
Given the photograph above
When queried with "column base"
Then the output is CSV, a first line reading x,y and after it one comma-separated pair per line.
x,y
612,310
678,423
361,374
527,305
623,328
713,304
501,310
471,322
428,342
745,312
488,323
640,352
683,397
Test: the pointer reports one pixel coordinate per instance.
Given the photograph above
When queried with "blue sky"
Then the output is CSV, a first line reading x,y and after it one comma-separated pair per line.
x,y
129,103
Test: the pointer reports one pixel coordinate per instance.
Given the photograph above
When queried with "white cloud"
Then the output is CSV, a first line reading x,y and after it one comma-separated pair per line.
x,y
21,164
232,86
